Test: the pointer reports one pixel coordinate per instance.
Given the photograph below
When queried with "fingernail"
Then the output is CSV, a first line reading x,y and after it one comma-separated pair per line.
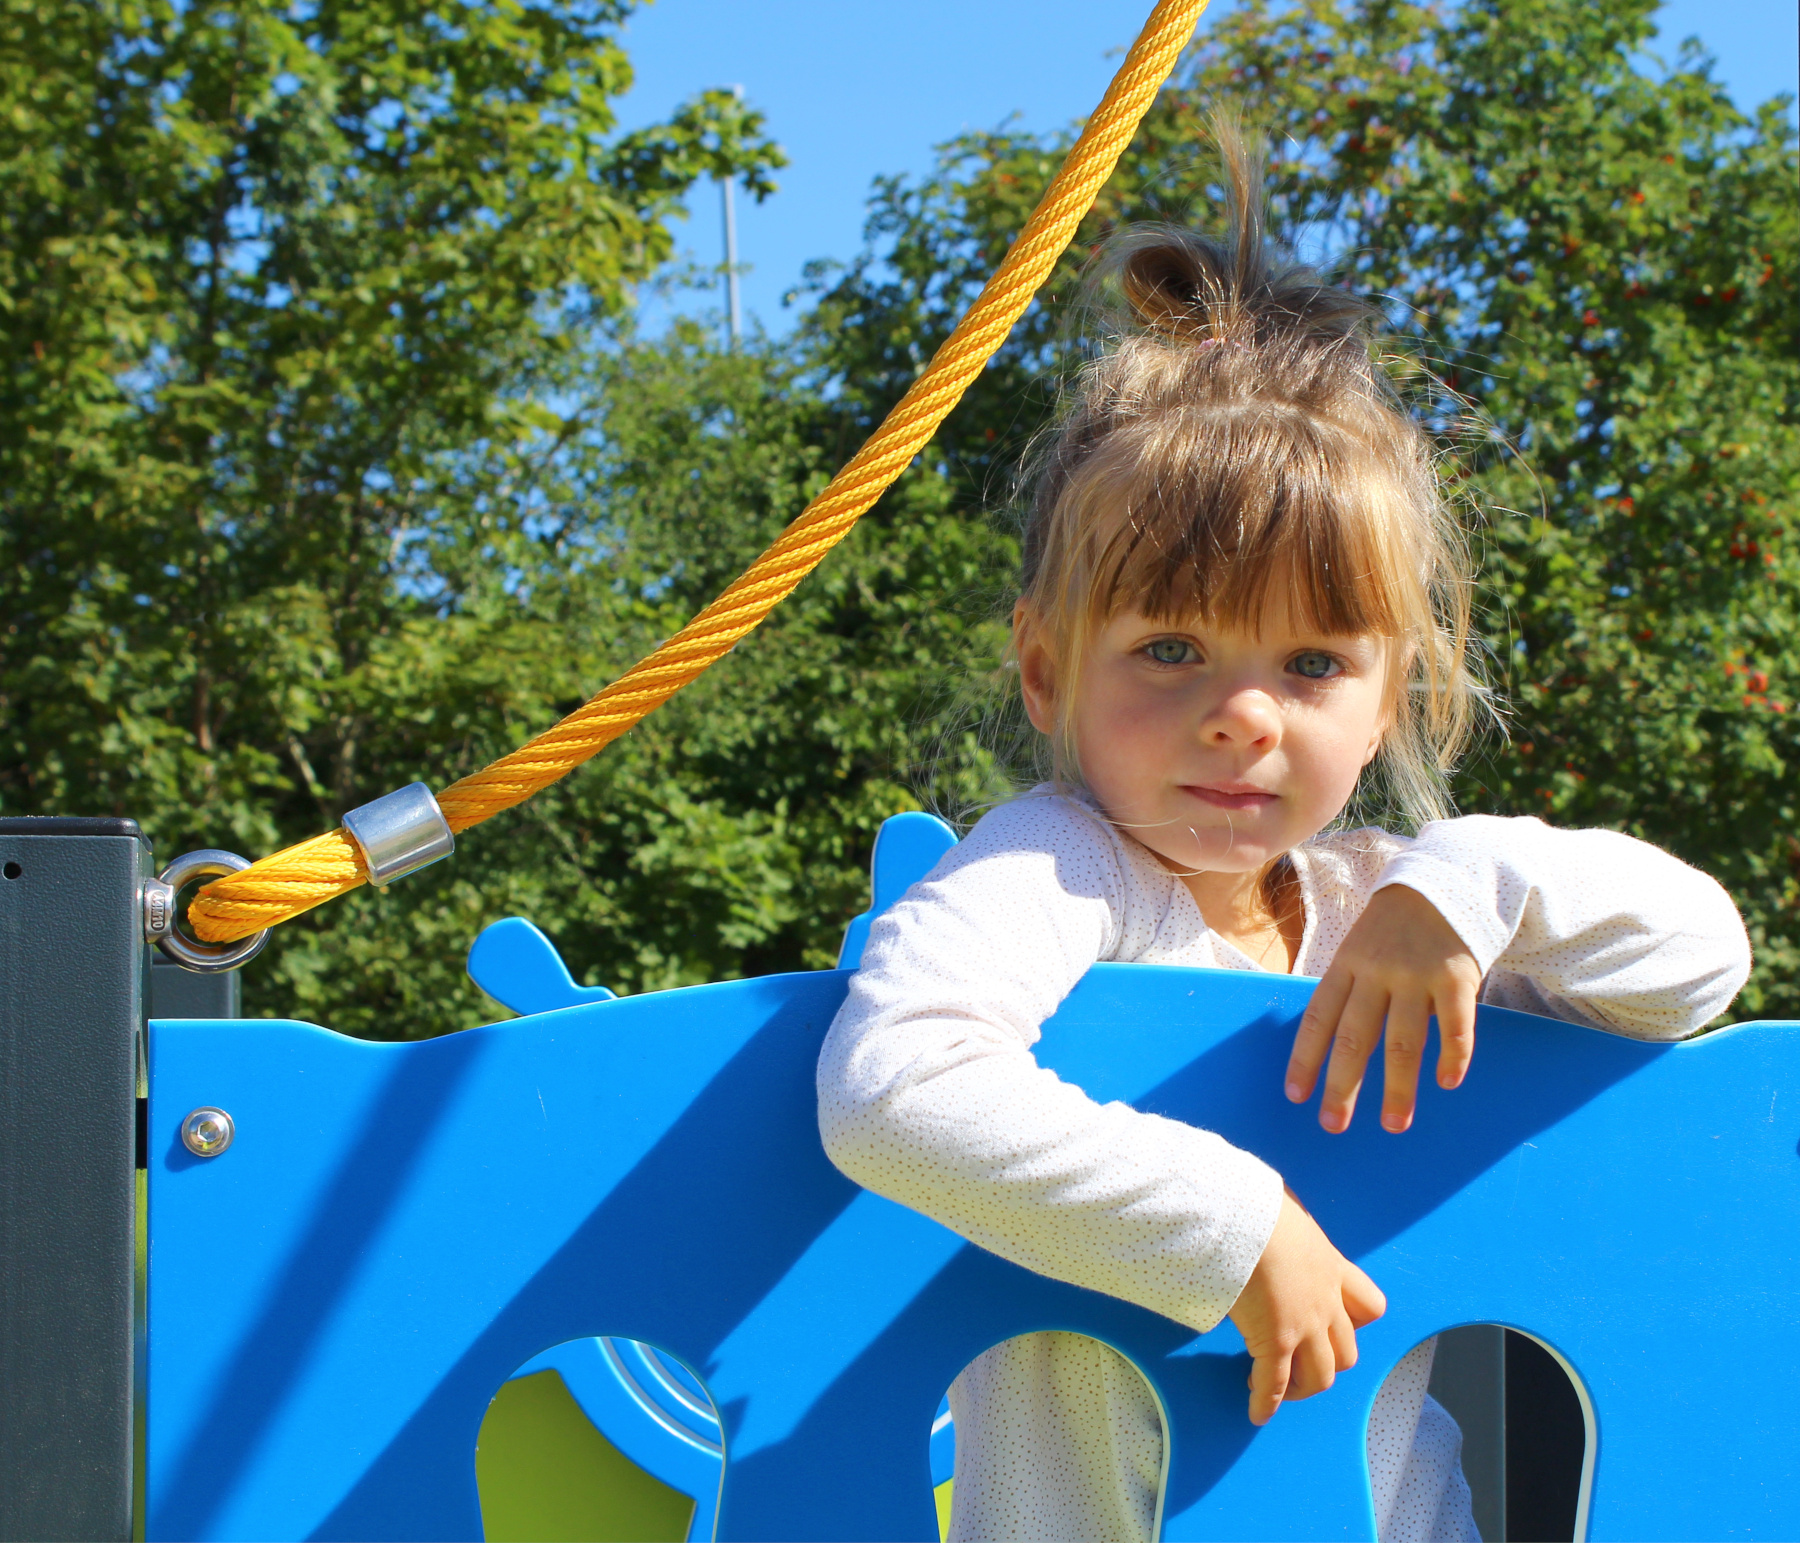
x,y
1296,1094
1395,1122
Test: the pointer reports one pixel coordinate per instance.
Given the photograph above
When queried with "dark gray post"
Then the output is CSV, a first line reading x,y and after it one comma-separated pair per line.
x,y
179,993
1468,1378
72,988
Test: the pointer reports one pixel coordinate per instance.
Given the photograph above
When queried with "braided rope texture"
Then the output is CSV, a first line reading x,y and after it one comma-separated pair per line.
x,y
317,870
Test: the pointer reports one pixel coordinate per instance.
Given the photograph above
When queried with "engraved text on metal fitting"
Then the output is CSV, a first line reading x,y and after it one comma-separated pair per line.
x,y
159,910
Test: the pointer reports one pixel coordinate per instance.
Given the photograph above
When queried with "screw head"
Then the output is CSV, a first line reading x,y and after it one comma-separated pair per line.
x,y
207,1132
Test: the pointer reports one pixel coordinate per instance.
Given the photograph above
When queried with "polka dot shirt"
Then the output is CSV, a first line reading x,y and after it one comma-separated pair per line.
x,y
929,1093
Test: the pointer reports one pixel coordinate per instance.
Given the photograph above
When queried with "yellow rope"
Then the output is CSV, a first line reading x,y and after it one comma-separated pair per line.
x,y
315,871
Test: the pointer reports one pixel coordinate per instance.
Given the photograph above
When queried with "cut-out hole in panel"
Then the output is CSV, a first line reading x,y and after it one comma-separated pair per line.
x,y
1070,1366
1527,1433
600,1439
943,1465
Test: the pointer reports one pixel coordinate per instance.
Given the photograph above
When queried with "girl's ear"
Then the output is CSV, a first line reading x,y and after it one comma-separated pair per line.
x,y
1037,676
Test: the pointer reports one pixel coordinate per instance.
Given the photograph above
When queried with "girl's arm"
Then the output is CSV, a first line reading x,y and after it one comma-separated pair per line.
x,y
1583,924
929,1092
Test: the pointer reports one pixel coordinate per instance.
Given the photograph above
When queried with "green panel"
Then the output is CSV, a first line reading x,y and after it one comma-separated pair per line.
x,y
547,1476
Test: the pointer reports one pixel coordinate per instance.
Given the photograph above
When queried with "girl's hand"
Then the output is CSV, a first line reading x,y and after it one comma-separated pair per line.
x,y
1401,963
1300,1312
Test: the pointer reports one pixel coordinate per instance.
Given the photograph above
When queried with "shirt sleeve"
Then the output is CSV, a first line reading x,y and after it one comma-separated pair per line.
x,y
929,1092
1583,924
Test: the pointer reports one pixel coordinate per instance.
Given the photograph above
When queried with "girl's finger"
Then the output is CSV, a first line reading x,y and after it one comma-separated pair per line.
x,y
1343,1343
1268,1386
1363,1299
1358,1032
1456,1034
1313,1039
1314,1369
1408,1021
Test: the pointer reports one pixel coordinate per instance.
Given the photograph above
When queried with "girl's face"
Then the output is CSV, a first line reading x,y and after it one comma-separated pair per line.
x,y
1216,749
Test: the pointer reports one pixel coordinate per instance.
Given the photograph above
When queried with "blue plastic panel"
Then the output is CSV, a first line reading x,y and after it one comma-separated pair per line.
x,y
907,847
398,1227
520,968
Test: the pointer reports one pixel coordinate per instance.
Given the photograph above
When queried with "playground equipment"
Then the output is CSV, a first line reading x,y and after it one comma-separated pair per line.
x,y
396,1229
646,1404
652,1408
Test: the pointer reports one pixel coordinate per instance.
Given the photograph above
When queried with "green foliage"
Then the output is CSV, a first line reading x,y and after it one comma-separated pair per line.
x,y
326,460
300,308
729,834
287,292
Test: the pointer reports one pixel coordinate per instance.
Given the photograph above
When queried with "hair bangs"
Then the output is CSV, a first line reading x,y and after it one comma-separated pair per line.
x,y
1243,534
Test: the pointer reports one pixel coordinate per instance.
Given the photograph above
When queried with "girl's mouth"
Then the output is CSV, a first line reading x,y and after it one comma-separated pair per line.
x,y
1230,795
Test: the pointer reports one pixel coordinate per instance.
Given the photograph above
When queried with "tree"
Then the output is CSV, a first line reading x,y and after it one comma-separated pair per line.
x,y
289,299
728,834
288,295
389,536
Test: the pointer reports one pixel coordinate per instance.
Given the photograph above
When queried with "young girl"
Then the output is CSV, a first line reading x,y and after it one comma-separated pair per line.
x,y
1242,595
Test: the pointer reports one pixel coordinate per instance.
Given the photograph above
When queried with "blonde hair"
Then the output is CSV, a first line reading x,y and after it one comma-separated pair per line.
x,y
1239,447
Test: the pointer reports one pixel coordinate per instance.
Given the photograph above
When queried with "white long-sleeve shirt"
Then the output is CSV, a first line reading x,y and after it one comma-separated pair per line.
x,y
929,1094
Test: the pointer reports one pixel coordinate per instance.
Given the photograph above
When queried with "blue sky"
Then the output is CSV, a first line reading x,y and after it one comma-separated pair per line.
x,y
857,88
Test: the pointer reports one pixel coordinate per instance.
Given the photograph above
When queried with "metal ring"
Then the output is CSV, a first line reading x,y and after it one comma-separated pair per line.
x,y
206,958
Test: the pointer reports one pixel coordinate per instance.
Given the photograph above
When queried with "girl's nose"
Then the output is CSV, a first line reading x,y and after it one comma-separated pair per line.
x,y
1246,719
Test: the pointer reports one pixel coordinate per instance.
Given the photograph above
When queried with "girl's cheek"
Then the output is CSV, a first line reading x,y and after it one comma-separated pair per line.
x,y
1331,772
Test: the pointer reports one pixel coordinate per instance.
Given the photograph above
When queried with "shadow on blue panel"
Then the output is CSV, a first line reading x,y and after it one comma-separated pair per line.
x,y
348,1219
715,1187
699,1195
1504,1103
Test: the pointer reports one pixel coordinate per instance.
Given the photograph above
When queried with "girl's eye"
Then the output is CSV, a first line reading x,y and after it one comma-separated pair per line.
x,y
1314,665
1171,651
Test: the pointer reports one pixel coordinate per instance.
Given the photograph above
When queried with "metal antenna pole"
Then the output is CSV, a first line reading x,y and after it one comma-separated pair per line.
x,y
733,308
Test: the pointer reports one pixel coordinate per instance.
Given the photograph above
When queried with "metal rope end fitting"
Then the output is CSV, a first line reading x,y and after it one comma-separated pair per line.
x,y
400,833
158,900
